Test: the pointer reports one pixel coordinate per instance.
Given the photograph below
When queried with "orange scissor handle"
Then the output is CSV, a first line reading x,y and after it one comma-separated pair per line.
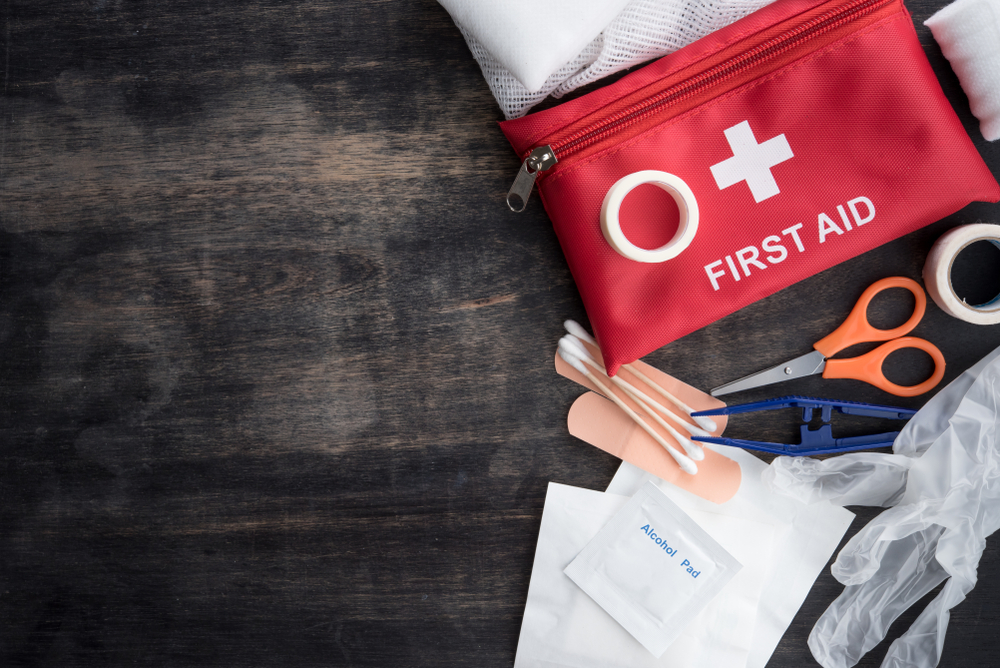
x,y
857,329
868,367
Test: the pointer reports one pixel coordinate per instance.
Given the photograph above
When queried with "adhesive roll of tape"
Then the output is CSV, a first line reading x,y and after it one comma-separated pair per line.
x,y
687,205
937,273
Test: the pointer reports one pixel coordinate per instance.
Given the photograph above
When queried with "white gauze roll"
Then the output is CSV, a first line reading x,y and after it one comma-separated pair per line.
x,y
533,38
643,30
937,273
968,32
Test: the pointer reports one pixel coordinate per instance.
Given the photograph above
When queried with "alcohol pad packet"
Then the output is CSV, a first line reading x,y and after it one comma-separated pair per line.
x,y
653,569
564,628
531,39
806,536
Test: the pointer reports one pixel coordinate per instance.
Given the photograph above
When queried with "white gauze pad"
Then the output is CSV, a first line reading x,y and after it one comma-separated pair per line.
x,y
968,32
653,569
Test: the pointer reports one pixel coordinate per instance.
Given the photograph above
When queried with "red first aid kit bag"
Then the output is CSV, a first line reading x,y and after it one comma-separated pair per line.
x,y
796,138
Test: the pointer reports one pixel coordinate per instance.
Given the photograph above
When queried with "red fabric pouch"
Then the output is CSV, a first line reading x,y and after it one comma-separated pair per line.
x,y
808,132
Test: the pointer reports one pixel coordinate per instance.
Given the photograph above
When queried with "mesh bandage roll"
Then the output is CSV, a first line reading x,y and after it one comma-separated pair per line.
x,y
968,32
642,31
531,39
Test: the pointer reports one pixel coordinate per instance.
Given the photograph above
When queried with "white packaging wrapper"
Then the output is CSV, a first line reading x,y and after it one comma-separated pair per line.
x,y
564,628
806,536
653,569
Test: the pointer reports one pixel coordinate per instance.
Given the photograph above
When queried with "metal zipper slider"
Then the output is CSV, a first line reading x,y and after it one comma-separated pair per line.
x,y
540,159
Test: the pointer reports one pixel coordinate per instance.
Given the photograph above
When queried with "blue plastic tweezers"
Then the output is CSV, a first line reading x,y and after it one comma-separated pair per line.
x,y
814,441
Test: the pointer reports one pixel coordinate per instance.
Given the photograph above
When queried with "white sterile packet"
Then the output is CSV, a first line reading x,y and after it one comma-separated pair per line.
x,y
806,536
564,628
653,569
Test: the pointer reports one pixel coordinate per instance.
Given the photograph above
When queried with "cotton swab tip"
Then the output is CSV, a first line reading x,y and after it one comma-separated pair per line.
x,y
705,422
686,464
692,449
573,345
696,431
573,360
577,330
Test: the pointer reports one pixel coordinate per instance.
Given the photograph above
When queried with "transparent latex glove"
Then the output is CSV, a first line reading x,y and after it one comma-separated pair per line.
x,y
943,482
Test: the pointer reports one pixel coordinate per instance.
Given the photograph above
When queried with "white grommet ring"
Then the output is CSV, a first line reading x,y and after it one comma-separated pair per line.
x,y
687,226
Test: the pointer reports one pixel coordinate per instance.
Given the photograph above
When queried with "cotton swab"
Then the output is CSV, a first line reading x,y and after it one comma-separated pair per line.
x,y
577,330
686,464
571,344
581,351
703,421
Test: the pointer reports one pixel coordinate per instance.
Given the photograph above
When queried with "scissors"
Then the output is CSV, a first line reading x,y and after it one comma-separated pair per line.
x,y
856,329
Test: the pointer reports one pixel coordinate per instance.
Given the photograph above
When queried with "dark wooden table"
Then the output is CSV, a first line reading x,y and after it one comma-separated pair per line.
x,y
276,381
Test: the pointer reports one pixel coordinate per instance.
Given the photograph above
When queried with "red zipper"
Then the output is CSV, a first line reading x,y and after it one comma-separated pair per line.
x,y
544,156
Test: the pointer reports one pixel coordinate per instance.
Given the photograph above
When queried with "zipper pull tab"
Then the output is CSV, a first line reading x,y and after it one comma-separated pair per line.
x,y
540,159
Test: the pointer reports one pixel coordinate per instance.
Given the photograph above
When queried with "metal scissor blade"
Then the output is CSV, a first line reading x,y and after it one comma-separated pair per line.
x,y
806,365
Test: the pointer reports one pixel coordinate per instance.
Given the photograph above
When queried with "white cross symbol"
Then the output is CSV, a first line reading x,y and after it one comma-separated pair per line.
x,y
751,162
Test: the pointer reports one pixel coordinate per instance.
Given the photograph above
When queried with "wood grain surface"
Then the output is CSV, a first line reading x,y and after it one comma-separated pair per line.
x,y
276,382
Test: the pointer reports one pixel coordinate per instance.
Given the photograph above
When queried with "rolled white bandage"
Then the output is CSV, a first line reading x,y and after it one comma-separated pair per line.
x,y
968,32
937,273
687,226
